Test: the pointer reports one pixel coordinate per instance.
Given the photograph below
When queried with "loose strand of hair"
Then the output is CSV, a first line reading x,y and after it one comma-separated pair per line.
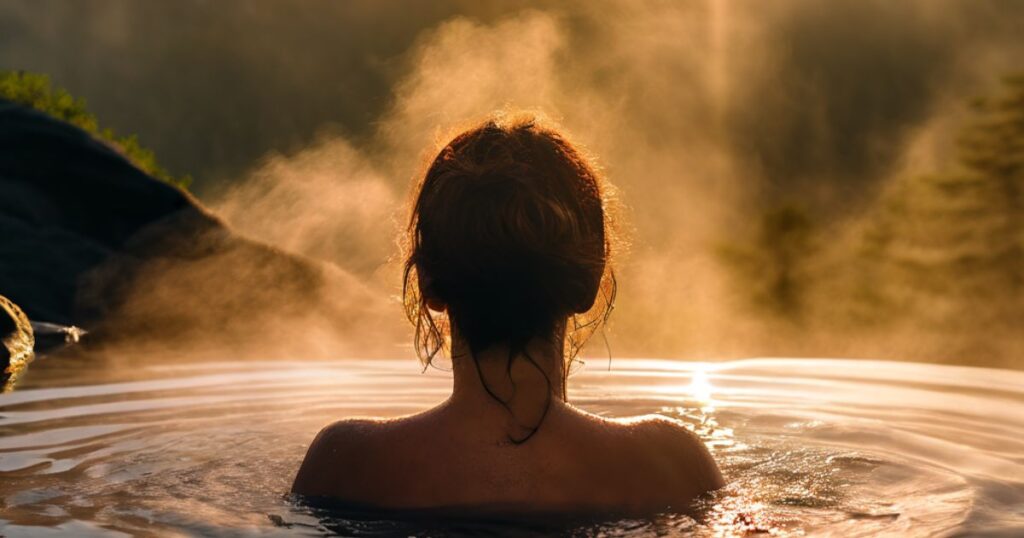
x,y
547,401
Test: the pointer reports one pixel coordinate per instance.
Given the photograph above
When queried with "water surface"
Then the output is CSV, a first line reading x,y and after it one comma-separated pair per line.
x,y
810,447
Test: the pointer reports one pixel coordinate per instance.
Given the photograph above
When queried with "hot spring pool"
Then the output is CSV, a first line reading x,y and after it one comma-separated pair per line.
x,y
845,448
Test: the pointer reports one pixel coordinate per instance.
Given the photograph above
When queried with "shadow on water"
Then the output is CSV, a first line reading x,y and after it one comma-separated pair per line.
x,y
346,520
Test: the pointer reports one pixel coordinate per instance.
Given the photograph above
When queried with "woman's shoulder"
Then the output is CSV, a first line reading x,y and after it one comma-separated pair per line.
x,y
665,456
341,449
653,427
351,429
672,432
682,452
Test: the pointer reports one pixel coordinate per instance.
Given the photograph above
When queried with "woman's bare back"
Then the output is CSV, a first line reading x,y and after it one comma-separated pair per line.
x,y
576,462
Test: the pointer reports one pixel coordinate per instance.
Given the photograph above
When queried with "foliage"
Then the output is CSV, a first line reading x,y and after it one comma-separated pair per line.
x,y
992,148
950,243
939,253
774,269
993,144
36,91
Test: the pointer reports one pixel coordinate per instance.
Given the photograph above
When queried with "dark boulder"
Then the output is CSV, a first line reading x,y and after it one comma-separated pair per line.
x,y
88,239
67,202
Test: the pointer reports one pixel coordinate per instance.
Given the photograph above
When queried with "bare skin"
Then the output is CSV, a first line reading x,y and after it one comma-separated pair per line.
x,y
459,453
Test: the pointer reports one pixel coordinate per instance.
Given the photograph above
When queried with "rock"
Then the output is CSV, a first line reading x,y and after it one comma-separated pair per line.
x,y
87,239
68,202
16,343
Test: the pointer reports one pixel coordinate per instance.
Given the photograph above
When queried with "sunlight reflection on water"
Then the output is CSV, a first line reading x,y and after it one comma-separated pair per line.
x,y
700,387
845,448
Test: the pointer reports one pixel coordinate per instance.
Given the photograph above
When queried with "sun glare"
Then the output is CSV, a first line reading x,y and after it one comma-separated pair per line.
x,y
700,387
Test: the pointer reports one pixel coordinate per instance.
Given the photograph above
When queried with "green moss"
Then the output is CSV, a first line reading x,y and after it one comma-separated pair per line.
x,y
36,91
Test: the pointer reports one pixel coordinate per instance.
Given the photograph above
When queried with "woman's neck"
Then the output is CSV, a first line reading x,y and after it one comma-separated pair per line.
x,y
513,391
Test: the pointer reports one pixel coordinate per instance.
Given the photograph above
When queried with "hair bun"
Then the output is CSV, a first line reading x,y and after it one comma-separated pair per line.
x,y
509,232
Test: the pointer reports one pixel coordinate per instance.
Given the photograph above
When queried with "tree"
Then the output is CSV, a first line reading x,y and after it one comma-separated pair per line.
x,y
774,269
946,248
992,147
35,90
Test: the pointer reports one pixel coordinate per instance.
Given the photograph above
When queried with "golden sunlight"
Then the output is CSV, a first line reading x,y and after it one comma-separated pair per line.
x,y
700,387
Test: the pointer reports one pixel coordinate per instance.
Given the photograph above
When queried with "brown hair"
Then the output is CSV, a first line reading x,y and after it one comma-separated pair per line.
x,y
509,230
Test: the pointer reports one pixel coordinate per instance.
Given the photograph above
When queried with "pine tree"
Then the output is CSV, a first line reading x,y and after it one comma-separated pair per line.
x,y
992,147
944,250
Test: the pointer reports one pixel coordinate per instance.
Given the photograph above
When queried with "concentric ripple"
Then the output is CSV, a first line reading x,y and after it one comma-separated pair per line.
x,y
810,447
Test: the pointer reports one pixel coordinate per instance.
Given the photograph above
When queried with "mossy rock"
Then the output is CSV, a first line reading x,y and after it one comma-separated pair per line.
x,y
16,343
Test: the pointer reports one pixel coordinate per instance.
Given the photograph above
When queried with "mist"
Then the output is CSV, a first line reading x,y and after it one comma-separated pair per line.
x,y
710,118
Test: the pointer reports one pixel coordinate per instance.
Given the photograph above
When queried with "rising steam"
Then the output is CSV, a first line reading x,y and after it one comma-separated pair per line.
x,y
706,115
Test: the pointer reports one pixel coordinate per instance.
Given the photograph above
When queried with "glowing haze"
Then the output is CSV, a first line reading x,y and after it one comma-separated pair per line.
x,y
704,115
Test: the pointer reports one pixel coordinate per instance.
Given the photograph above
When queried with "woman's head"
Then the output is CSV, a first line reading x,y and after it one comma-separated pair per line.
x,y
510,238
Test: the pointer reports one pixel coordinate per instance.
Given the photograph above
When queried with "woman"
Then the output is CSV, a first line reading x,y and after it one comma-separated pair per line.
x,y
508,270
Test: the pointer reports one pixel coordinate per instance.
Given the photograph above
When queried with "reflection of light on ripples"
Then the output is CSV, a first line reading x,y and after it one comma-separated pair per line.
x,y
734,511
700,387
808,446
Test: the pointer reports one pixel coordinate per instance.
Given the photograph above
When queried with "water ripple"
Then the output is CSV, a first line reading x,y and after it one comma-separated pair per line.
x,y
844,448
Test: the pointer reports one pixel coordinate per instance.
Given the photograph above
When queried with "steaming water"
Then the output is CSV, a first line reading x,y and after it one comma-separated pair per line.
x,y
809,446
